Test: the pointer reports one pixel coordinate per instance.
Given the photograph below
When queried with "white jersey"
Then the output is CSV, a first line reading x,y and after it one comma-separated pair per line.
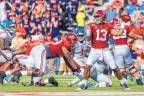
x,y
5,35
25,60
80,49
79,53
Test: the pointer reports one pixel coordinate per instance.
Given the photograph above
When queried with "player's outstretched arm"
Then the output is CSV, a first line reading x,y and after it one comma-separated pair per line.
x,y
69,60
119,31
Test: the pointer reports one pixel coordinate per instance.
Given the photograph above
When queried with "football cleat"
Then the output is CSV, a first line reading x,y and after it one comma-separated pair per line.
x,y
139,82
52,81
69,84
124,86
2,76
16,77
83,86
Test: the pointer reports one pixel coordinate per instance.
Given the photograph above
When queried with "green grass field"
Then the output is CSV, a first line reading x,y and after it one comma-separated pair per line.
x,y
62,85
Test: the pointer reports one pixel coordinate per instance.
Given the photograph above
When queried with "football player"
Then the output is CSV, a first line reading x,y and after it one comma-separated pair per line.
x,y
122,53
98,32
96,72
40,53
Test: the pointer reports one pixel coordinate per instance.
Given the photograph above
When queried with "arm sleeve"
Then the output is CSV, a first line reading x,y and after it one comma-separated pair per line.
x,y
88,32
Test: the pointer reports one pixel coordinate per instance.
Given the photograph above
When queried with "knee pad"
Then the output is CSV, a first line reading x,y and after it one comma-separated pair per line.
x,y
131,68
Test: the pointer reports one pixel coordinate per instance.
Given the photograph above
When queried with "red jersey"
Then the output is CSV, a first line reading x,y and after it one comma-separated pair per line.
x,y
100,35
28,46
48,41
56,48
122,40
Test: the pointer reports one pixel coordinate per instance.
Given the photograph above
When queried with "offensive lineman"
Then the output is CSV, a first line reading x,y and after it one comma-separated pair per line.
x,y
60,48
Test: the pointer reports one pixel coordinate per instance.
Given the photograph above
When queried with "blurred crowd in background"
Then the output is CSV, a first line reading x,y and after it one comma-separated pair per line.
x,y
52,18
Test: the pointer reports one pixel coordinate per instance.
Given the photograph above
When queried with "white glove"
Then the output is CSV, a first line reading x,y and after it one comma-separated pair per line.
x,y
12,47
122,25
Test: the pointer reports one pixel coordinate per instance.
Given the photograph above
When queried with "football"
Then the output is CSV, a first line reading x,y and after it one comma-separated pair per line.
x,y
126,18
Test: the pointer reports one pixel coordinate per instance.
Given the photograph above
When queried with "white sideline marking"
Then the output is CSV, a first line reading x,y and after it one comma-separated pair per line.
x,y
81,93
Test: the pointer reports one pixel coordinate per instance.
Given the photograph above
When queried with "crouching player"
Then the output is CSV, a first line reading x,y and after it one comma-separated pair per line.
x,y
24,65
40,53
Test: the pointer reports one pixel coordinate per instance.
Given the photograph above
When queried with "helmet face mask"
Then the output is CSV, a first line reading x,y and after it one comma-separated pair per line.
x,y
116,24
98,20
100,16
80,37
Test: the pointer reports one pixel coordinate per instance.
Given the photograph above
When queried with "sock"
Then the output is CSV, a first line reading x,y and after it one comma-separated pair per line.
x,y
24,73
122,81
75,80
8,73
46,81
124,74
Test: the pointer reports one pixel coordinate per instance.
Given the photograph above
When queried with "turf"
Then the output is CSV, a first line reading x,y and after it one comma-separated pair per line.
x,y
62,85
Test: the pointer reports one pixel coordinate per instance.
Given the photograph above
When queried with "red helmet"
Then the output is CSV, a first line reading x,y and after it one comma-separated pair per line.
x,y
125,18
100,16
100,13
71,37
115,21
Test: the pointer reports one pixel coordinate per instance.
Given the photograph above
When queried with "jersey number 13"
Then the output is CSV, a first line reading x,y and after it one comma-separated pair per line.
x,y
101,35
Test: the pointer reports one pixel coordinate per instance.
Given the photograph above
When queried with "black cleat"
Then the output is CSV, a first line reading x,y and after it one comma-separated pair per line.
x,y
16,77
124,86
52,81
83,87
2,76
139,82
